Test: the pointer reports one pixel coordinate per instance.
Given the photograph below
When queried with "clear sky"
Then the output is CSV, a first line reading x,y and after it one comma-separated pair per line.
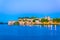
x,y
12,9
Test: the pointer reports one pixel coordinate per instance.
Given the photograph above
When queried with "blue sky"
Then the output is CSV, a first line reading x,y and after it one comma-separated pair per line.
x,y
12,9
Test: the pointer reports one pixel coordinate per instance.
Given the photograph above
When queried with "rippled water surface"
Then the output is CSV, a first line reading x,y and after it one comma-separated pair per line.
x,y
34,32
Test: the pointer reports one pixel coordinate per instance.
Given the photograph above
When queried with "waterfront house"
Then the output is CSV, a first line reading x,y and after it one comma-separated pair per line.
x,y
11,22
21,22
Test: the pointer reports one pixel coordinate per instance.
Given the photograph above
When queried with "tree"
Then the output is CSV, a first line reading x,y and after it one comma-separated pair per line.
x,y
44,20
26,17
20,17
1,23
16,23
56,19
33,17
34,20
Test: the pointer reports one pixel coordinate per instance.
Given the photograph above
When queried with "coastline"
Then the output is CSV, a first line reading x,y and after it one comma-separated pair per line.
x,y
35,21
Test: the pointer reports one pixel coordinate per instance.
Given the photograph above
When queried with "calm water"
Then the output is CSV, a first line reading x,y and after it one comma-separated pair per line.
x,y
35,32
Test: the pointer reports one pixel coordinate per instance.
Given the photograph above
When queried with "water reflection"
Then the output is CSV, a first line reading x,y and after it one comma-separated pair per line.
x,y
40,26
45,25
55,27
51,27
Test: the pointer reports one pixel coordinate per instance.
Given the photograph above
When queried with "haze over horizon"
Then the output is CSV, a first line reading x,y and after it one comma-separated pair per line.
x,y
12,9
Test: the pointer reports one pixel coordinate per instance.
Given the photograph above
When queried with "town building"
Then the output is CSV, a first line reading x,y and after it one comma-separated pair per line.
x,y
11,22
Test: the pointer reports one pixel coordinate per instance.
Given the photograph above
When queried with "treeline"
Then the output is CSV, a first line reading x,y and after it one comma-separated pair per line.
x,y
3,23
42,19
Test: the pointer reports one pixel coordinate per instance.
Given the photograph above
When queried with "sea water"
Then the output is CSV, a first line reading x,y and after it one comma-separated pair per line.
x,y
29,32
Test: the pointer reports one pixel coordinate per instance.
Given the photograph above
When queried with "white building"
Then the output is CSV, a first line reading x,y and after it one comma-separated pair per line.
x,y
11,22
47,17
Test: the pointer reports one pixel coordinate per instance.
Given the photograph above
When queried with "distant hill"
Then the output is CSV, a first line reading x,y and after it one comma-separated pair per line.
x,y
3,23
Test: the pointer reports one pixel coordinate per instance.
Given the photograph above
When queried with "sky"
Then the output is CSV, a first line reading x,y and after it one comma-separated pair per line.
x,y
12,9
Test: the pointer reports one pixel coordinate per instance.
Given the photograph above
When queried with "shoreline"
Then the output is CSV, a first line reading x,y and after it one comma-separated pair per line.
x,y
36,21
42,24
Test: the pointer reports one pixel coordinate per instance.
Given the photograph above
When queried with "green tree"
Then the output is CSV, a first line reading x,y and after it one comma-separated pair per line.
x,y
56,19
44,20
33,17
34,20
16,23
